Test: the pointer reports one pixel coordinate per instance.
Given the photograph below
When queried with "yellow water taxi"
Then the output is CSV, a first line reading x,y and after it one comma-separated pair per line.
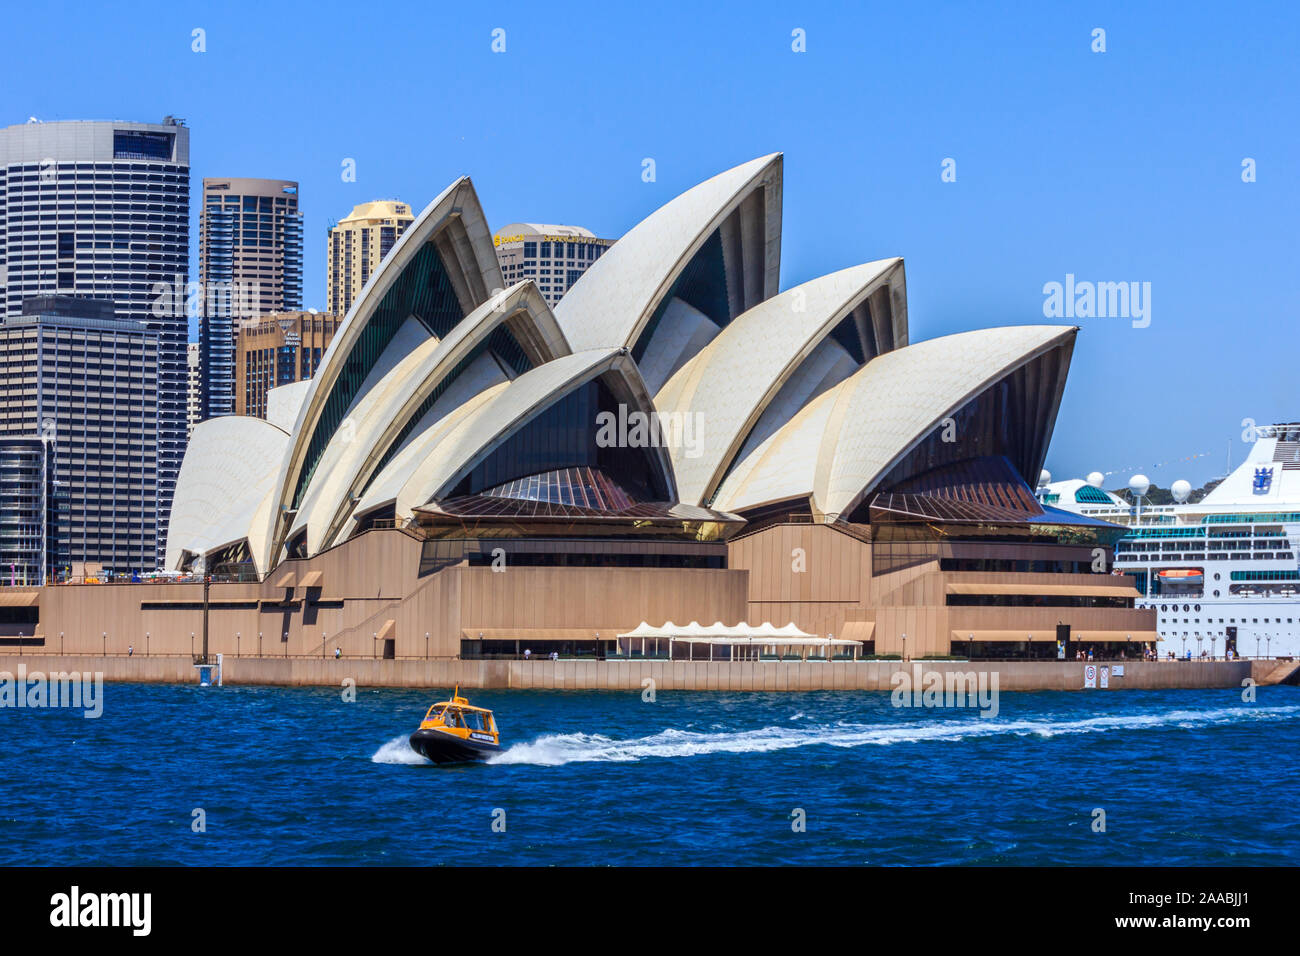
x,y
453,731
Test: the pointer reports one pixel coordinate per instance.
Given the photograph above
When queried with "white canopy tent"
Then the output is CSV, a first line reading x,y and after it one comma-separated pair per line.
x,y
742,635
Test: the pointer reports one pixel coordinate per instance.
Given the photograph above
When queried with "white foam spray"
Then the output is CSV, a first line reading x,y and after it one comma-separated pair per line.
x,y
398,750
558,749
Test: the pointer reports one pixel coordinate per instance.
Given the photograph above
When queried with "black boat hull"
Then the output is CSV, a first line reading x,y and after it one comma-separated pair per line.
x,y
447,748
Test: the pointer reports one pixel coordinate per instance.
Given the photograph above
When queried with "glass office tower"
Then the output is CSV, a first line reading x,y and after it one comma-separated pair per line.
x,y
101,209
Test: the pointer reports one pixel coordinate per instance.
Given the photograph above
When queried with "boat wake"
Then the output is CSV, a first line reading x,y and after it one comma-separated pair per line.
x,y
398,750
554,750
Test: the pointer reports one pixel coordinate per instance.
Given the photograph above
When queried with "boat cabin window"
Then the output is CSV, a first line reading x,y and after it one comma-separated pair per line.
x,y
472,719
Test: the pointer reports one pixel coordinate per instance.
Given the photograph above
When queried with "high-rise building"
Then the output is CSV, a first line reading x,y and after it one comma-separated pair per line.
x,y
102,209
554,256
250,264
193,388
277,350
87,384
357,245
23,500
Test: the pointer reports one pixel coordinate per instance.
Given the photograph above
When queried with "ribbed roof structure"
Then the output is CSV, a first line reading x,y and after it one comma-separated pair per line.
x,y
672,383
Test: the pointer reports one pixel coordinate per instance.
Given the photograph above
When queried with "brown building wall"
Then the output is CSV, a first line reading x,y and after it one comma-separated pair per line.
x,y
607,599
369,589
363,585
837,586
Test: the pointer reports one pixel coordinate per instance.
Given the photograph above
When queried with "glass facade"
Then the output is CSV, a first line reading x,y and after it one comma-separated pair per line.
x,y
101,210
563,436
250,264
702,284
23,495
90,388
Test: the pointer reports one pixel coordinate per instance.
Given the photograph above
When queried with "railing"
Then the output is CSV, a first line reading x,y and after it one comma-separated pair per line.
x,y
235,577
29,646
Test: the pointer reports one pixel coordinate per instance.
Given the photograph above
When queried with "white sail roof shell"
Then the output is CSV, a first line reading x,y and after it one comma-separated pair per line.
x,y
839,446
228,473
615,298
731,381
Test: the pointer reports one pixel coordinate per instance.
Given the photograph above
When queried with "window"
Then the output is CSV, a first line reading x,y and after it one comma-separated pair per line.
x,y
141,144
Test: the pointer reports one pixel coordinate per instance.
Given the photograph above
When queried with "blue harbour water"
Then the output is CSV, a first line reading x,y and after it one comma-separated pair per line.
x,y
298,776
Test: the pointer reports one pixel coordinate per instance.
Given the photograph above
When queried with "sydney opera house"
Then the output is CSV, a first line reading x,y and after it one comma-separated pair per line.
x,y
472,472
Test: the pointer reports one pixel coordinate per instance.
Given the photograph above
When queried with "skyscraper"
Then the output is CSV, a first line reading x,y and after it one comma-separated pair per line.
x,y
277,350
101,209
193,388
86,384
357,245
23,499
250,264
555,256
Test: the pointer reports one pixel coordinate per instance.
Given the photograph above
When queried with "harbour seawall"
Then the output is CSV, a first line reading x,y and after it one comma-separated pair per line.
x,y
630,675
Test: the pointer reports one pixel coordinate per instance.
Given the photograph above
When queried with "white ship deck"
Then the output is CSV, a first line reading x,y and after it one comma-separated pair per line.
x,y
1243,538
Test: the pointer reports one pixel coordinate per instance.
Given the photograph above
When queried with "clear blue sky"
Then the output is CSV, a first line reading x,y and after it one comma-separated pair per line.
x,y
1122,166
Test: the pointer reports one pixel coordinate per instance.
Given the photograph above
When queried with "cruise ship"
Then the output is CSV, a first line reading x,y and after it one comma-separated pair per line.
x,y
1221,573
